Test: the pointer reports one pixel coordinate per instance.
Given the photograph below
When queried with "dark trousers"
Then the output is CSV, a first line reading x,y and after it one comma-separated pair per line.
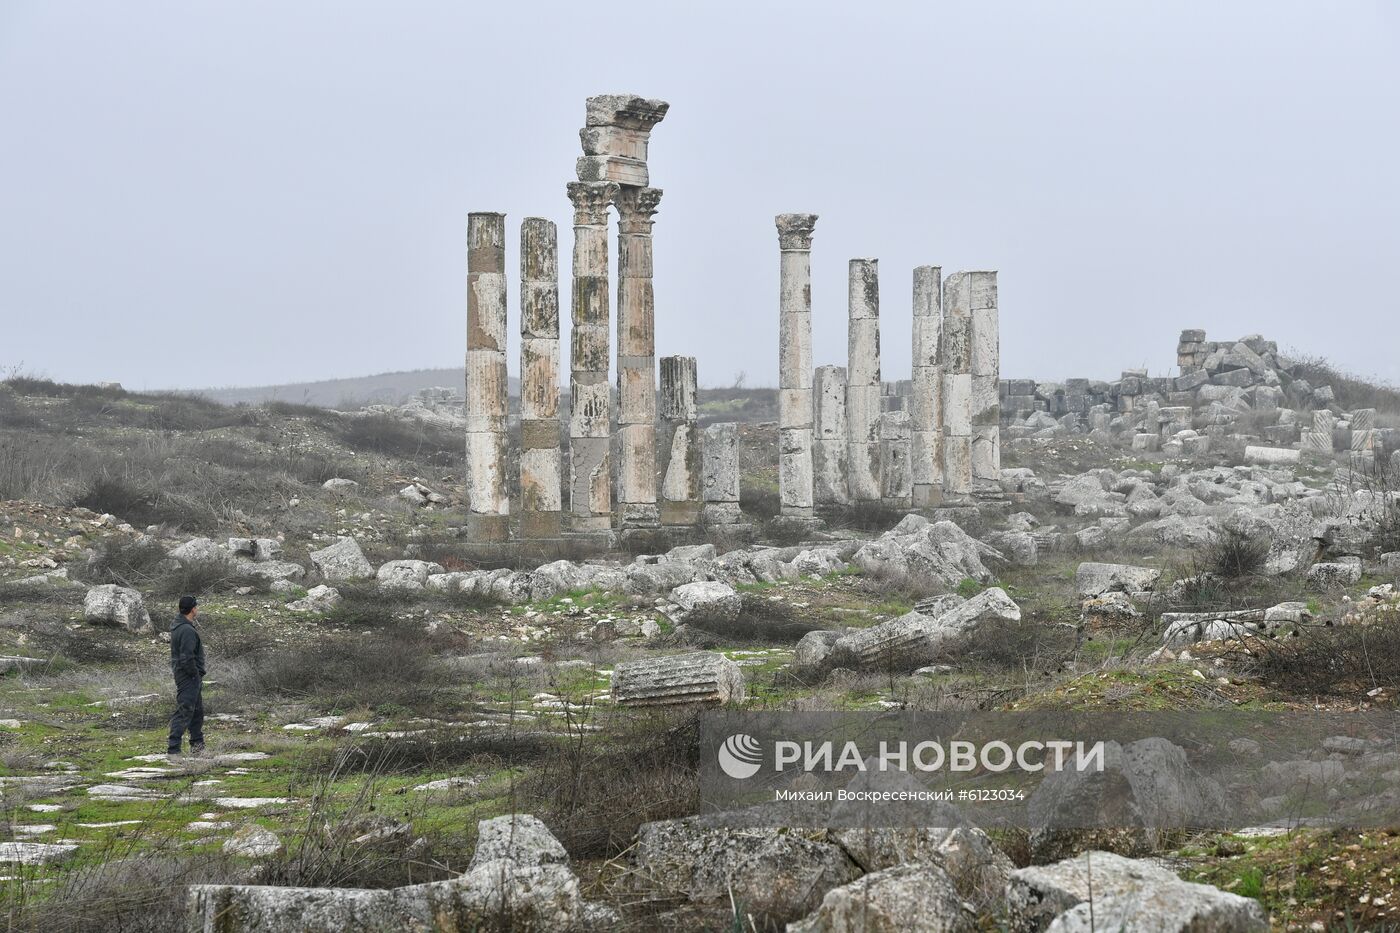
x,y
189,712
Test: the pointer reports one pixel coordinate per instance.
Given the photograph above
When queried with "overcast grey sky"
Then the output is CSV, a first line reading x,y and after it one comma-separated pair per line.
x,y
246,192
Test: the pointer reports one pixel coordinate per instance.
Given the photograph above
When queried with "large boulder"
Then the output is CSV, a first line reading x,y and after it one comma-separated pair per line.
x,y
406,576
202,551
917,896
780,875
1145,788
109,604
1168,907
268,570
707,603
1035,896
343,561
520,837
979,869
1094,579
938,555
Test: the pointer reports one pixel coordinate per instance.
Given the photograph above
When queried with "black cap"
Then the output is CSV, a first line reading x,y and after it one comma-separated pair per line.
x,y
186,604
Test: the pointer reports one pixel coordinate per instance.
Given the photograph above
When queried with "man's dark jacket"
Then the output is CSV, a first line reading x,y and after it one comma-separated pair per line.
x,y
186,649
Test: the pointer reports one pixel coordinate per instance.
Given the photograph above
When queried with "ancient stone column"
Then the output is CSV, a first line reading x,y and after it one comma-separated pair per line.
x,y
863,382
680,445
540,455
926,392
795,364
829,436
488,502
636,358
700,677
957,385
896,476
986,383
590,403
721,474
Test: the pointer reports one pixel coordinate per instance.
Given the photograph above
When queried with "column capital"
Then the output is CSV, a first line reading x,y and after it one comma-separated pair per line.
x,y
591,200
795,230
635,207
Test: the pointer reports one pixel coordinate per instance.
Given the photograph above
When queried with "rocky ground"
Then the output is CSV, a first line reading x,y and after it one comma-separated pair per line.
x,y
471,737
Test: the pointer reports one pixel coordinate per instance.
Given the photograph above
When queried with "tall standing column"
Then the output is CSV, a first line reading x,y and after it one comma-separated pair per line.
x,y
926,393
863,381
795,364
590,403
986,382
681,447
488,503
636,357
540,456
829,436
957,385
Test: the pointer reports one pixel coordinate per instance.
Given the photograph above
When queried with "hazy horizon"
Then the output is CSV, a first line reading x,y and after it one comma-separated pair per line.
x,y
237,195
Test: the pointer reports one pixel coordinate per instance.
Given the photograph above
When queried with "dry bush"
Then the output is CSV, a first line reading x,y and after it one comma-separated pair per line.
x,y
759,500
433,751
1234,555
331,848
1328,659
119,891
594,790
391,667
1026,647
1352,391
399,437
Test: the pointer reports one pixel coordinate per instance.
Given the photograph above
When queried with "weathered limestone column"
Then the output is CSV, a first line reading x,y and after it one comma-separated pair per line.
x,y
488,503
896,477
540,456
795,364
829,443
681,482
957,385
721,471
986,383
926,393
590,410
863,381
636,358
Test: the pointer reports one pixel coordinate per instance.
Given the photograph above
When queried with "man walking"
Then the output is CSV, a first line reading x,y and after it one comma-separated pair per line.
x,y
187,663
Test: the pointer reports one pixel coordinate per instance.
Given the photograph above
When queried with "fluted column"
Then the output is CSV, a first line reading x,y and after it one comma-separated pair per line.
x,y
680,446
829,436
957,385
926,392
986,382
636,357
590,403
863,381
540,456
795,364
488,503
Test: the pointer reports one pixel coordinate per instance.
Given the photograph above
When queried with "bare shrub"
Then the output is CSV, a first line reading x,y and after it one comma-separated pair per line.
x,y
759,500
1233,555
1351,390
1027,646
398,437
1327,659
390,667
124,561
597,788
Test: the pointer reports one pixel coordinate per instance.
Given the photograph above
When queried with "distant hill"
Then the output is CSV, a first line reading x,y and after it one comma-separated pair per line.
x,y
355,392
